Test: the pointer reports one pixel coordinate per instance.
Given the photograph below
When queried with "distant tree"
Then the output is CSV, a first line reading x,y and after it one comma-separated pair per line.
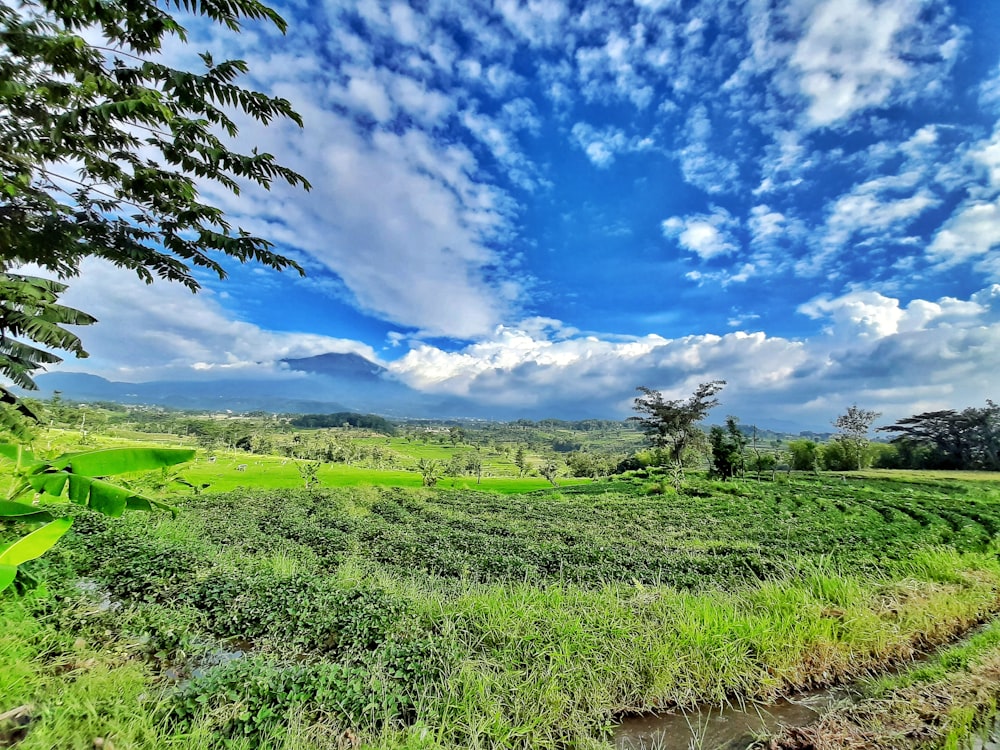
x,y
344,420
309,471
836,455
430,471
521,460
728,446
456,435
550,470
949,439
853,427
671,425
805,455
102,148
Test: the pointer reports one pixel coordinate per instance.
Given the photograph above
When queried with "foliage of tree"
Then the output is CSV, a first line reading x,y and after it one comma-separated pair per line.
x,y
550,470
102,148
949,439
806,455
837,455
670,425
430,471
592,464
728,450
521,460
853,427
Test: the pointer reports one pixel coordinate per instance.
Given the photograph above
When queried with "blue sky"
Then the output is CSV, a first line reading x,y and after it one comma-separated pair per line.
x,y
549,203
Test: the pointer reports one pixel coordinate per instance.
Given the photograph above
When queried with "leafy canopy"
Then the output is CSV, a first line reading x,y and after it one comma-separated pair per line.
x,y
102,150
670,425
852,432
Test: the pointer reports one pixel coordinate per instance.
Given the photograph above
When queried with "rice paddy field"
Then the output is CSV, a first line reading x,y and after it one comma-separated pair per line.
x,y
400,617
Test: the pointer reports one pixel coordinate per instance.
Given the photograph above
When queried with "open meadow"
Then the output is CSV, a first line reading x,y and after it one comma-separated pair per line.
x,y
353,615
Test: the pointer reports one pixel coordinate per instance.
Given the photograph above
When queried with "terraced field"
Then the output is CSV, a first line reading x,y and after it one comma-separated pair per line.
x,y
390,617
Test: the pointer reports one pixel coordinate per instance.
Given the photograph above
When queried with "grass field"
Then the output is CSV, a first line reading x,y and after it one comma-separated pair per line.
x,y
273,472
386,617
219,468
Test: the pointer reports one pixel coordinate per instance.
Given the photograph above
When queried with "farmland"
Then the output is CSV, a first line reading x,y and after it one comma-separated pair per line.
x,y
367,611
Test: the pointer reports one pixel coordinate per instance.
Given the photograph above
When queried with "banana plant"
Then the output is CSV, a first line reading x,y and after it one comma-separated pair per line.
x,y
81,476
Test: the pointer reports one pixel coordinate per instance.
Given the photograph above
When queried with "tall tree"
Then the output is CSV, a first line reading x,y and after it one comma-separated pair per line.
x,y
102,146
728,449
671,425
949,439
853,427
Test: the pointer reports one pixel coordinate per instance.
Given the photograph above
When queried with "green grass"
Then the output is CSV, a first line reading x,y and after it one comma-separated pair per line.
x,y
77,693
452,618
273,472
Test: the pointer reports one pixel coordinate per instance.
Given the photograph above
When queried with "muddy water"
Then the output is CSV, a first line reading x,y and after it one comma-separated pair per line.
x,y
990,738
721,728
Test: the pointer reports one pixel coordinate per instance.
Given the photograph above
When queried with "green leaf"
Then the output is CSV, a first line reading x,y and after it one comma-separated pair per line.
x,y
35,544
104,463
49,484
79,489
7,575
141,502
107,498
23,512
10,451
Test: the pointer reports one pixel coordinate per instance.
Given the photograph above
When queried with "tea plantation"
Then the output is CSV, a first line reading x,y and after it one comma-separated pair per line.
x,y
394,617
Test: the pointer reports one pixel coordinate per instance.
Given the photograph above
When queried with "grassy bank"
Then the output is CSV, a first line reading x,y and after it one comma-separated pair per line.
x,y
943,702
407,618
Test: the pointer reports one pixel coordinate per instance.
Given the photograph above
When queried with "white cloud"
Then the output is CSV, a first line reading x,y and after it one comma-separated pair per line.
x,y
895,358
502,144
989,92
613,70
867,314
706,235
864,210
539,22
857,54
971,232
148,332
985,155
602,145
700,165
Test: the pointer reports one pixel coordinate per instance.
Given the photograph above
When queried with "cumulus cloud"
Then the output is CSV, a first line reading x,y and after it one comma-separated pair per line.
x,y
868,314
972,232
897,358
858,54
705,235
149,332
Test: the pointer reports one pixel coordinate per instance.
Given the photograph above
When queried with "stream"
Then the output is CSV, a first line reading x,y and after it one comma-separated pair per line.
x,y
714,727
723,727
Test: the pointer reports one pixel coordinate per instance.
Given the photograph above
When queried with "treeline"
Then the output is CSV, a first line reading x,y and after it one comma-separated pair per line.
x,y
948,439
343,419
967,440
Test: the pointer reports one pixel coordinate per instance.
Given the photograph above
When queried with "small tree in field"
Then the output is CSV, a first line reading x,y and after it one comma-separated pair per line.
x,y
550,470
728,446
671,425
853,427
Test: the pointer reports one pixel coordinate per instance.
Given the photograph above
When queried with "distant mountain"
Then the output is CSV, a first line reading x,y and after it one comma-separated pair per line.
x,y
327,383
236,395
323,384
338,366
